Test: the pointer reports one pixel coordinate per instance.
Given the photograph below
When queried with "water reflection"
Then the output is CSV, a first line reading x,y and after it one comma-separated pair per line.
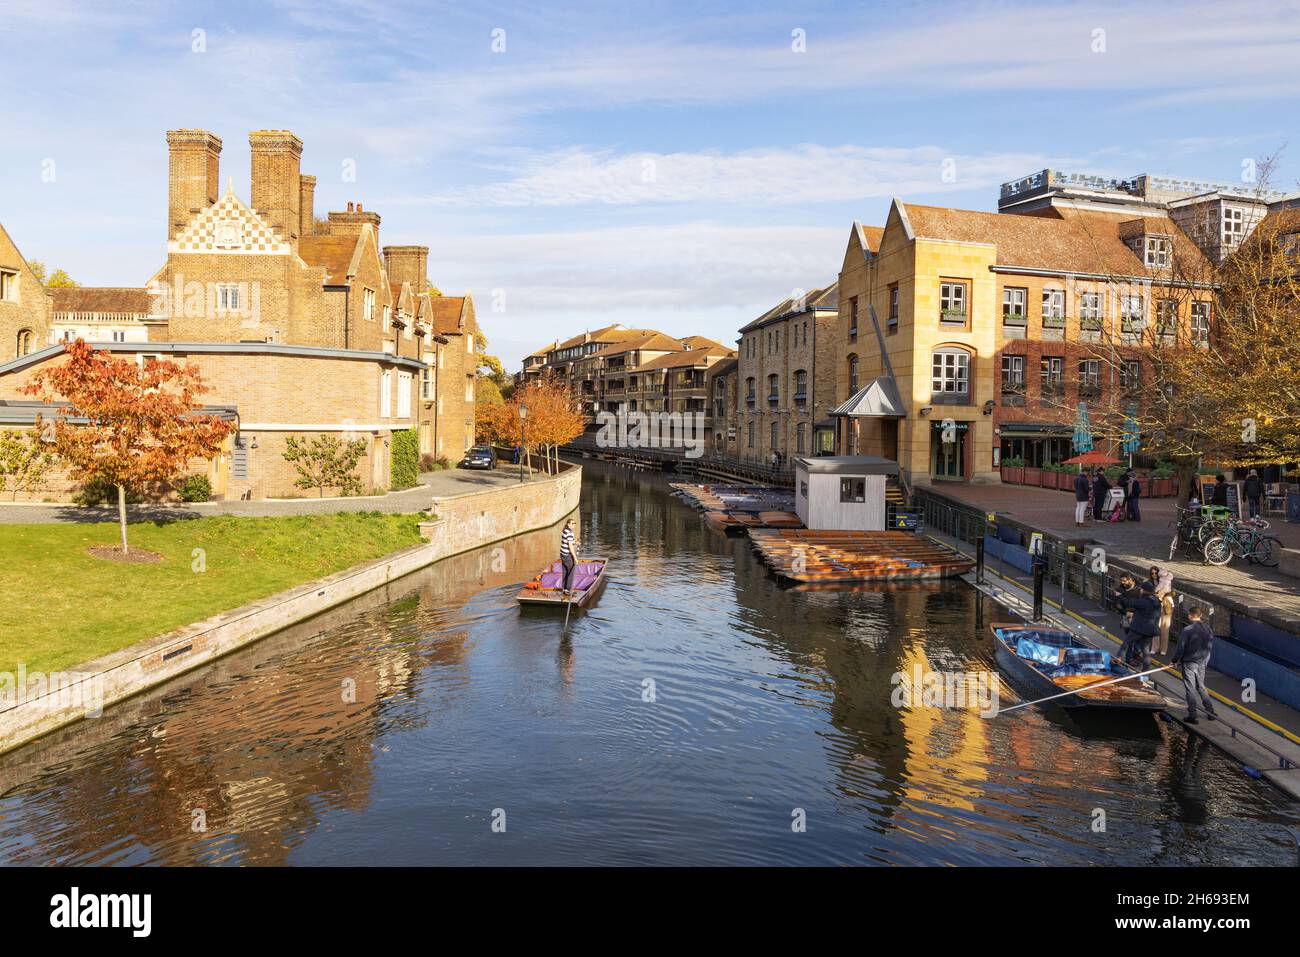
x,y
388,731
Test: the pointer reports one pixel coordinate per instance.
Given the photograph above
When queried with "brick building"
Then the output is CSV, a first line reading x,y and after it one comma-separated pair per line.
x,y
297,328
25,304
787,360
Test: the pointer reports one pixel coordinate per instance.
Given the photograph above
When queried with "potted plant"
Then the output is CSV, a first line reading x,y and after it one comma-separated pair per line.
x,y
1013,470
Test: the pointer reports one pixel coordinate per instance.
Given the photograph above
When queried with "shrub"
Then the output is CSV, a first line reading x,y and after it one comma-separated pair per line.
x,y
195,488
427,462
1014,462
404,462
99,492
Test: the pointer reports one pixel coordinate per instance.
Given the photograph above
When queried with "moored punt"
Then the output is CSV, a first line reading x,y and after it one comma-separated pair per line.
x,y
743,498
829,557
1050,661
546,590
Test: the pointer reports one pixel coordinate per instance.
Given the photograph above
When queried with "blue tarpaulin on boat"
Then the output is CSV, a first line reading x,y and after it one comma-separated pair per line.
x,y
1036,652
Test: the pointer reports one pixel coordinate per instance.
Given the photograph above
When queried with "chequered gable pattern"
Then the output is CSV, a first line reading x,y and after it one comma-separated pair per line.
x,y
228,226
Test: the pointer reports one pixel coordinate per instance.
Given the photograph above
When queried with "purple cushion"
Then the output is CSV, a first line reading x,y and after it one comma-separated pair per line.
x,y
551,579
582,582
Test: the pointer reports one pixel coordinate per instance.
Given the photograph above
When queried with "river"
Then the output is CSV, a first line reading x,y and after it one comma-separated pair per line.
x,y
700,713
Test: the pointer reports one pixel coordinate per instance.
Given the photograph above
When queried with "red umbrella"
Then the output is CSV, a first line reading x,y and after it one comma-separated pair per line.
x,y
1092,458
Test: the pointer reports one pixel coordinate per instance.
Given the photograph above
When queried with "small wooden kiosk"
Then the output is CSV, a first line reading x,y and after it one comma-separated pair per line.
x,y
842,492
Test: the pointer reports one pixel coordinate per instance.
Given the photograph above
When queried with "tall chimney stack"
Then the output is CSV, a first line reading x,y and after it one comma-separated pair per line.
x,y
277,180
193,176
408,264
306,205
350,222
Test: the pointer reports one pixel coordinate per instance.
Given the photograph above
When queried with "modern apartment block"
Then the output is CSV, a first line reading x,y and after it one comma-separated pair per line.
x,y
786,374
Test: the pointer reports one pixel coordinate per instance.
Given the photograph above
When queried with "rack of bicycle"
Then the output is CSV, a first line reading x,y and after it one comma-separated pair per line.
x,y
1210,533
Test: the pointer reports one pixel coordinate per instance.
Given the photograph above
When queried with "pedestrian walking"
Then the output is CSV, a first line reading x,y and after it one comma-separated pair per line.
x,y
1132,492
568,555
1080,498
1100,486
1163,579
1195,644
1254,489
1127,590
1144,625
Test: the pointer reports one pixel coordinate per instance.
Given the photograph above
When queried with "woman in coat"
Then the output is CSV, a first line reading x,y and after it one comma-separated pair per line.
x,y
1132,492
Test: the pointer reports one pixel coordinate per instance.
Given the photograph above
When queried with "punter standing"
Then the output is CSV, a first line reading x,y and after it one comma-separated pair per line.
x,y
568,554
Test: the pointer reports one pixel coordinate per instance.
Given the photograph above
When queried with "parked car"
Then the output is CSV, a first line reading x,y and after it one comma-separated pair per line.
x,y
480,457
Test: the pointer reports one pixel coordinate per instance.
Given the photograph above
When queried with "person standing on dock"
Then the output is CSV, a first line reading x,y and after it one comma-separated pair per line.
x,y
568,554
1163,579
1080,498
1254,489
1099,489
1195,643
1144,626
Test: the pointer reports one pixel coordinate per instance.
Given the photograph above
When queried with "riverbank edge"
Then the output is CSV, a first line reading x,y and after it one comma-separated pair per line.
x,y
463,522
1223,734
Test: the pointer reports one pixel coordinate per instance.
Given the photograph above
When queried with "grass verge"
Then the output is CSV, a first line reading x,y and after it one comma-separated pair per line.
x,y
63,606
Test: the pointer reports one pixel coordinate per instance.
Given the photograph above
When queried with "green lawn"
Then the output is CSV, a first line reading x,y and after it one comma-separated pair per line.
x,y
60,606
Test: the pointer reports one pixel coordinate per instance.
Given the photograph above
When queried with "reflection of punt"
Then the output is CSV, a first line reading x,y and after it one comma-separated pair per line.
x,y
1049,661
810,556
546,590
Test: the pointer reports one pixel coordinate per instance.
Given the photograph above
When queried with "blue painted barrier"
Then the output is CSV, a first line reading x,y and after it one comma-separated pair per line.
x,y
1272,678
1013,555
1272,641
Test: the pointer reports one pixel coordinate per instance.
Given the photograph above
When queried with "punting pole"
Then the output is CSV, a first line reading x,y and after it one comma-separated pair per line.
x,y
568,606
1099,684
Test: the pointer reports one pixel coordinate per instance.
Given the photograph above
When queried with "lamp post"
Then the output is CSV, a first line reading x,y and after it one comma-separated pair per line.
x,y
523,437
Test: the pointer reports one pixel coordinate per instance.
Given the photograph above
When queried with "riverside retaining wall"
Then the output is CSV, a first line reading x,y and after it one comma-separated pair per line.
x,y
463,522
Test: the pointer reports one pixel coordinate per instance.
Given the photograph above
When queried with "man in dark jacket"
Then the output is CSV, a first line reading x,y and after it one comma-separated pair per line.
x,y
1195,643
1219,492
1099,489
1132,492
1080,498
1254,489
1144,626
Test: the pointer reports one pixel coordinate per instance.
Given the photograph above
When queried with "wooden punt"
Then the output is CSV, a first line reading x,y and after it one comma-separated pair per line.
x,y
544,590
1044,679
829,557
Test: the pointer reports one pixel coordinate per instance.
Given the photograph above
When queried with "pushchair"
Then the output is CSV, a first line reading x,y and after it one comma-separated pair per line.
x,y
1113,507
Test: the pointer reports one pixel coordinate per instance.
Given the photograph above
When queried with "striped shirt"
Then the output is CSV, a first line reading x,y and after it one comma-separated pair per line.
x,y
566,543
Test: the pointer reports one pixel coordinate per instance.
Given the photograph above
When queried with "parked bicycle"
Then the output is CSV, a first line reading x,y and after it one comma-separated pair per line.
x,y
1245,540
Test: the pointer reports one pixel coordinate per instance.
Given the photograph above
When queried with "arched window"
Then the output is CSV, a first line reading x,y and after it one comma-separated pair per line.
x,y
749,392
800,386
773,388
950,376
25,341
751,435
853,374
775,437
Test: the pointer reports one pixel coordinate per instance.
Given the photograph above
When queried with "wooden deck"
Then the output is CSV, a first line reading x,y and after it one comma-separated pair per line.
x,y
848,557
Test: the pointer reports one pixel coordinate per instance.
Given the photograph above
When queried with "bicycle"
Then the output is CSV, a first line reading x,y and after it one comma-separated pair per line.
x,y
1247,540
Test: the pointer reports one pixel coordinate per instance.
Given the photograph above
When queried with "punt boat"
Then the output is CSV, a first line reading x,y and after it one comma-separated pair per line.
x,y
1049,661
546,590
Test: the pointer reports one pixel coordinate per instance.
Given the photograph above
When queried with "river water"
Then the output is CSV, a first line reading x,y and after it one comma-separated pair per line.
x,y
696,715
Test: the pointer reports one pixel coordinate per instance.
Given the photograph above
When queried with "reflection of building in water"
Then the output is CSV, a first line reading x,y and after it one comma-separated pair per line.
x,y
267,741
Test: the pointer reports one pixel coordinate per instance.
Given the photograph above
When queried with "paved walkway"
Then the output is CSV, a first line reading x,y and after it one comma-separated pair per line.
x,y
1265,592
432,485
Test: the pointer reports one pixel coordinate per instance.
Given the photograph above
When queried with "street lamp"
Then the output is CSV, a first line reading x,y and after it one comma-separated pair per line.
x,y
523,437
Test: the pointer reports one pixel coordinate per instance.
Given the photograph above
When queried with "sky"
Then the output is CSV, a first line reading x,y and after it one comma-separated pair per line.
x,y
681,166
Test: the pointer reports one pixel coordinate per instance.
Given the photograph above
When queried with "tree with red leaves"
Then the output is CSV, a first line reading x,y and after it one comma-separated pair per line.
x,y
142,421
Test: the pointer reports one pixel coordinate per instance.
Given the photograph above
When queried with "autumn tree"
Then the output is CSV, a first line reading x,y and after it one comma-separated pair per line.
x,y
59,278
25,459
142,422
325,462
554,417
1200,352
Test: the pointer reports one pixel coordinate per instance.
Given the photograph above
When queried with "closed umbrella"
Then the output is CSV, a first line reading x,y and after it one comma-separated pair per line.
x,y
1132,440
1082,440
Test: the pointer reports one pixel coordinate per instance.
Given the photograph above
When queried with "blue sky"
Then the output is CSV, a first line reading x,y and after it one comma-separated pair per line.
x,y
682,166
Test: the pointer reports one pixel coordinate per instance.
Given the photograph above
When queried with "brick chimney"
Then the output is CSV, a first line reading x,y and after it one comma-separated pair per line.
x,y
193,176
306,205
277,180
408,264
350,223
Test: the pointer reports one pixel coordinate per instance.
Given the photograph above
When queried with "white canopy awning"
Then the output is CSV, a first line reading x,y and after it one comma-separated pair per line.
x,y
879,399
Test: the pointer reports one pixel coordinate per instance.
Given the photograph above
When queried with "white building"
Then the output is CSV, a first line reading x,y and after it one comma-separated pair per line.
x,y
100,314
842,492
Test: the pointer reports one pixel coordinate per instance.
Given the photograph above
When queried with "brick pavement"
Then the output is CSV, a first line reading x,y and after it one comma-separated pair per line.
x,y
1265,593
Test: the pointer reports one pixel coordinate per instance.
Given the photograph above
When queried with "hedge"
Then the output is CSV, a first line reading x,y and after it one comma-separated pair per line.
x,y
405,460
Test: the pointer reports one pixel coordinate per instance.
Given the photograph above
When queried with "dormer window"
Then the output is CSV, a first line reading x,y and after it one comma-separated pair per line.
x,y
1159,252
1234,226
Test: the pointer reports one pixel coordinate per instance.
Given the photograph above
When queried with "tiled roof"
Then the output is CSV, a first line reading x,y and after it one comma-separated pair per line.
x,y
612,333
103,299
827,297
647,339
1076,241
872,235
445,312
693,357
333,252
